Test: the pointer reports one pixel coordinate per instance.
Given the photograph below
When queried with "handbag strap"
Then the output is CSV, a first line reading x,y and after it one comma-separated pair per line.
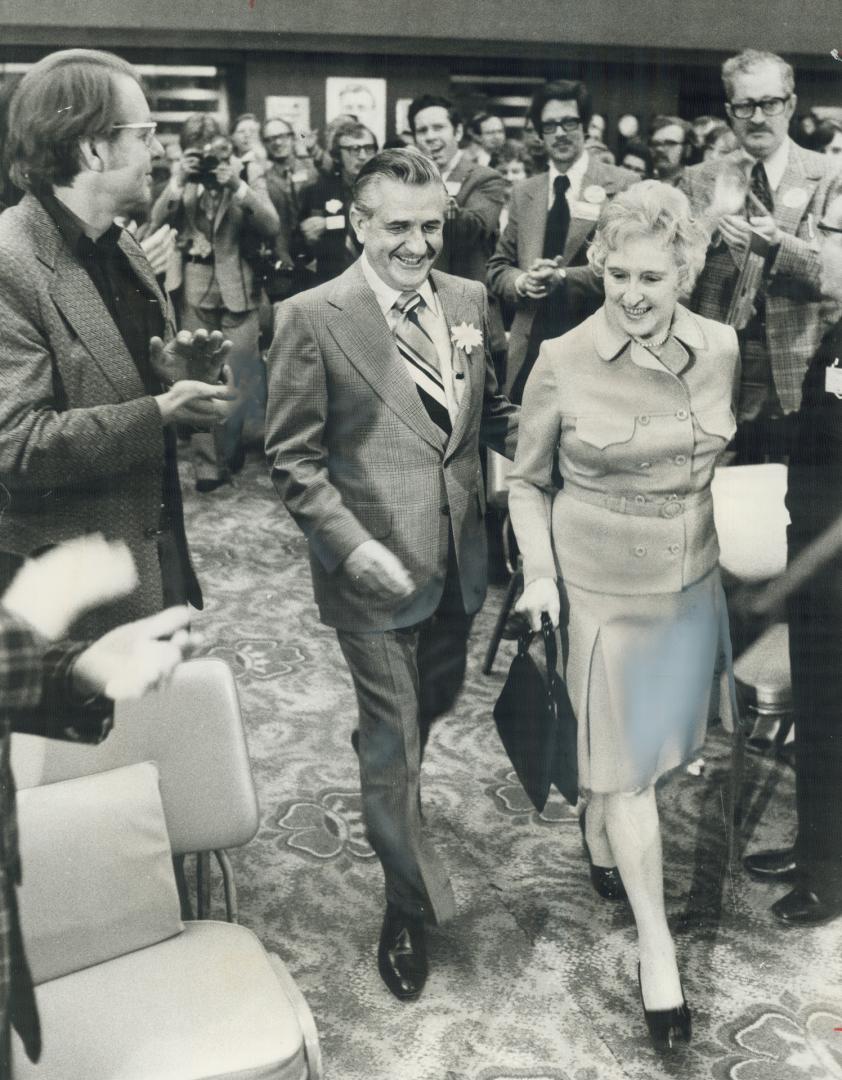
x,y
527,636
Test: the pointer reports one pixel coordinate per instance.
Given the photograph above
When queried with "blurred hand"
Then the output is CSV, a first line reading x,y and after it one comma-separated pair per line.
x,y
190,355
187,170
198,403
542,278
228,173
766,226
736,232
311,141
373,568
158,248
133,659
313,229
51,591
540,595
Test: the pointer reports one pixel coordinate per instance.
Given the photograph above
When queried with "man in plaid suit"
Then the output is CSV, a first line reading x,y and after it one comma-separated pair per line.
x,y
381,388
785,191
59,691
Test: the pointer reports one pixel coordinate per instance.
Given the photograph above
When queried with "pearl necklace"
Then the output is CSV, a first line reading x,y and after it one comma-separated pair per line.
x,y
650,344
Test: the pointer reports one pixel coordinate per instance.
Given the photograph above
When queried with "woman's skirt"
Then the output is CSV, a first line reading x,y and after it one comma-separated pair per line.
x,y
645,674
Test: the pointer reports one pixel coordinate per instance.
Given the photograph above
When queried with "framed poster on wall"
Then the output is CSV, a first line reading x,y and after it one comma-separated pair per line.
x,y
295,110
364,99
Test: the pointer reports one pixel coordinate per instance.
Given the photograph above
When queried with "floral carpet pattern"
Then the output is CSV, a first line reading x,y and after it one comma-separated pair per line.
x,y
535,978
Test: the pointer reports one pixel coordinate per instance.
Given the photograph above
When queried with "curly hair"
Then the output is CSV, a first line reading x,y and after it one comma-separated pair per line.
x,y
656,210
66,97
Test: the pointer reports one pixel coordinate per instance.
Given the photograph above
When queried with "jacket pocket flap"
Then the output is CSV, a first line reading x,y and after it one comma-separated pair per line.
x,y
602,431
719,422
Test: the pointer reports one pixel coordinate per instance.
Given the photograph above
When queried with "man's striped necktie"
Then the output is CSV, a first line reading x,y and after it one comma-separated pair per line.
x,y
421,357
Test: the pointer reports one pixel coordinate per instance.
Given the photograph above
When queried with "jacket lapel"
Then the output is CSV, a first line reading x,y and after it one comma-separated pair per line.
x,y
581,228
361,332
456,312
535,221
794,191
139,263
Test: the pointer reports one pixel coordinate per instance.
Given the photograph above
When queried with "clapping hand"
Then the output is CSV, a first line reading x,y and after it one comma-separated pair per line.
x,y
158,248
190,355
131,660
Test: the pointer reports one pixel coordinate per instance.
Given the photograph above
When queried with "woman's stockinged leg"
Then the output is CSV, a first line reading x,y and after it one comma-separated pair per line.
x,y
595,832
635,837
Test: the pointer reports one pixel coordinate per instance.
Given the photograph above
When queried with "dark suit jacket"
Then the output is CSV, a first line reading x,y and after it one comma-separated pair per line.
x,y
522,243
81,442
796,315
354,454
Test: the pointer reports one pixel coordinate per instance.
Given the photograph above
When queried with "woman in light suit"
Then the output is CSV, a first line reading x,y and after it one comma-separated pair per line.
x,y
637,401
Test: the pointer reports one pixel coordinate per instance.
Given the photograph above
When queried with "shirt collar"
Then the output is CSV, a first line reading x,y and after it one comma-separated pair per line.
x,y
775,164
73,229
575,174
454,161
610,341
385,295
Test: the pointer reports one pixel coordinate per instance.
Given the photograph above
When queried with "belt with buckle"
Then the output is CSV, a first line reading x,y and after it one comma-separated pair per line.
x,y
639,505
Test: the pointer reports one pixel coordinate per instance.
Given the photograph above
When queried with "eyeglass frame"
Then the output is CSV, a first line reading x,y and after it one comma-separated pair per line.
x,y
149,128
778,103
669,143
567,124
820,225
364,148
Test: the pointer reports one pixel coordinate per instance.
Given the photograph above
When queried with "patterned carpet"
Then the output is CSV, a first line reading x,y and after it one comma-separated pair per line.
x,y
535,979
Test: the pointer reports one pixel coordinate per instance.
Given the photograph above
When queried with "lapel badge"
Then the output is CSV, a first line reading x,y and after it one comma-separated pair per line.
x,y
795,198
833,379
465,336
333,206
595,193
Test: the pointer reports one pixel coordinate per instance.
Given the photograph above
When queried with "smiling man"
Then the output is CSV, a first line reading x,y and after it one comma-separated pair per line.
x,y
381,388
87,412
784,192
551,218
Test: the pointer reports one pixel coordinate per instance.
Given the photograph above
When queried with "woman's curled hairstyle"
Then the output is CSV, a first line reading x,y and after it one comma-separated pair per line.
x,y
656,210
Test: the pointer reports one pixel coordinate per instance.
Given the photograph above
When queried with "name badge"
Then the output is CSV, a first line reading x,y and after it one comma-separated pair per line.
x,y
335,221
587,211
453,187
833,379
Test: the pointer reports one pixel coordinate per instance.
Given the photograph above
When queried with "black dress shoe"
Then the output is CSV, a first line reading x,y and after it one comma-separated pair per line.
x,y
237,460
210,483
402,954
605,879
666,1027
777,864
804,908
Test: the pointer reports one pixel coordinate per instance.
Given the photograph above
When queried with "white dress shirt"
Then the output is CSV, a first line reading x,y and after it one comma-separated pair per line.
x,y
575,174
432,319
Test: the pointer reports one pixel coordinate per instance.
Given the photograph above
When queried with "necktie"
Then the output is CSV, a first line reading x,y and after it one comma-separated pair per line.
x,y
558,220
760,188
422,359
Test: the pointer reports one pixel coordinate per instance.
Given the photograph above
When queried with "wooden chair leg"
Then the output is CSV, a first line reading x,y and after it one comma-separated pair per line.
x,y
735,788
515,585
202,885
232,911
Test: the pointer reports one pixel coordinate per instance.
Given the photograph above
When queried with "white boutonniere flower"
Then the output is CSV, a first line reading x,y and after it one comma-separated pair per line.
x,y
465,336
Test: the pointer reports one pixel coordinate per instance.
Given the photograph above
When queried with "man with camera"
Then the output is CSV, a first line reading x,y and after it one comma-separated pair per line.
x,y
222,211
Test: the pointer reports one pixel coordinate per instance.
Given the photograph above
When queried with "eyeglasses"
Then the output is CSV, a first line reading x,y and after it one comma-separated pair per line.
x,y
148,128
364,149
827,228
282,136
567,123
659,143
770,106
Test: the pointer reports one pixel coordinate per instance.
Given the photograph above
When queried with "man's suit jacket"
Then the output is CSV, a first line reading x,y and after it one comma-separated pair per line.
x,y
237,228
522,243
796,317
81,441
355,456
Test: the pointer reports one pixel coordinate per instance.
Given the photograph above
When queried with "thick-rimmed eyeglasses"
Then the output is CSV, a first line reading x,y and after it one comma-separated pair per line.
x,y
770,106
827,228
147,127
566,123
282,136
657,144
364,149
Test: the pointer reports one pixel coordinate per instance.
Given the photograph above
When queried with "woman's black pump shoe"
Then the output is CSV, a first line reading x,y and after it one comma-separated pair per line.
x,y
666,1026
605,879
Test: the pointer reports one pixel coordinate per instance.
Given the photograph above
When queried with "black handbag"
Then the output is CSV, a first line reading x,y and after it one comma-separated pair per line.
x,y
536,722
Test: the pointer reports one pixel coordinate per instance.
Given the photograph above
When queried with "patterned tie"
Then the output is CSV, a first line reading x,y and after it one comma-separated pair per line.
x,y
558,220
422,359
760,188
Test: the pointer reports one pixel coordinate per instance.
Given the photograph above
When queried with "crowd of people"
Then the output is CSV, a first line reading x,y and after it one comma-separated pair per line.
x,y
617,322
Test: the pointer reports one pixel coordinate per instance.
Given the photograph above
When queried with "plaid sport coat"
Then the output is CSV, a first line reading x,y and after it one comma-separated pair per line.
x,y
355,456
797,317
34,698
81,441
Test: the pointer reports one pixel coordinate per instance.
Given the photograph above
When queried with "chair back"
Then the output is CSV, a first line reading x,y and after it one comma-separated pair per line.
x,y
193,731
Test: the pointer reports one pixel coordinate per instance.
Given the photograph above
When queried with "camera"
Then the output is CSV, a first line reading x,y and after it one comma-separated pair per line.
x,y
214,153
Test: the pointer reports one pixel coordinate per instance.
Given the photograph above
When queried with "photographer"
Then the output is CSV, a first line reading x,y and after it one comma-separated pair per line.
x,y
222,211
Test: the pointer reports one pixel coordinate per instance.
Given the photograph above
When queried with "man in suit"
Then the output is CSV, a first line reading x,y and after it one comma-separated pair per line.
x,y
223,213
774,188
813,864
59,691
551,218
380,390
87,415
